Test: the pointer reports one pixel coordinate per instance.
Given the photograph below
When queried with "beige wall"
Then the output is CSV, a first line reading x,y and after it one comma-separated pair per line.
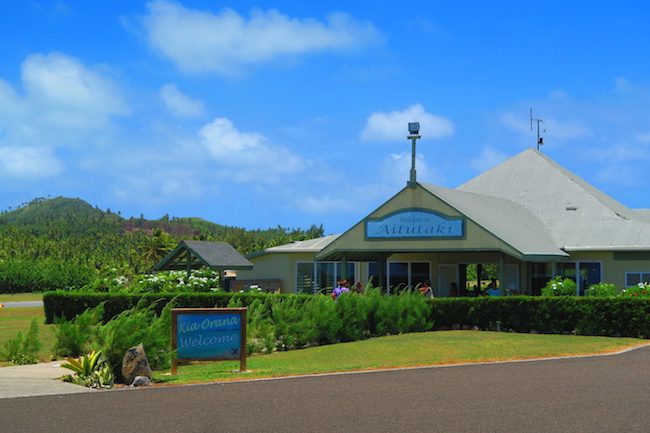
x,y
280,266
613,271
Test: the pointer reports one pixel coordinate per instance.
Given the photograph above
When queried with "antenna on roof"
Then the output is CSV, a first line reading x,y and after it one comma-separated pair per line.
x,y
540,139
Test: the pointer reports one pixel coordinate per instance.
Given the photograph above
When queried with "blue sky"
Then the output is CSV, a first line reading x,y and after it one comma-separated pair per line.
x,y
255,114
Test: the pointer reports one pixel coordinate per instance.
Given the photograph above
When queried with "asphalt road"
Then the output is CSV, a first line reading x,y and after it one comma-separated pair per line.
x,y
599,394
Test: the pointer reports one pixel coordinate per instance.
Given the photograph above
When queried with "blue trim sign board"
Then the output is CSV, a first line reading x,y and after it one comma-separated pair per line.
x,y
415,223
209,334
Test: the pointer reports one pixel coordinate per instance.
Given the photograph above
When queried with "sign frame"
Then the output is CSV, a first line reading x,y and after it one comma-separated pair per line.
x,y
217,312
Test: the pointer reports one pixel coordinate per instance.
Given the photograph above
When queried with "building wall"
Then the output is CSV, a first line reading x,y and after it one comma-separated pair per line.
x,y
280,266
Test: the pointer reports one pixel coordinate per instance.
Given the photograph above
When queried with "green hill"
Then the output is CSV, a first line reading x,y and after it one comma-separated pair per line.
x,y
66,242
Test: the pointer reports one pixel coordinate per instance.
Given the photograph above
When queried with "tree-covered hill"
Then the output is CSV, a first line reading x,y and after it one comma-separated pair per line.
x,y
68,235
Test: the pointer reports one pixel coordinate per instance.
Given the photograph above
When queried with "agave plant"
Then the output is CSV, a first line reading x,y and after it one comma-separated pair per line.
x,y
85,365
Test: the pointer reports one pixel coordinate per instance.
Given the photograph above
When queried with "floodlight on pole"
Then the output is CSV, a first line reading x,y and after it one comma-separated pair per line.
x,y
414,134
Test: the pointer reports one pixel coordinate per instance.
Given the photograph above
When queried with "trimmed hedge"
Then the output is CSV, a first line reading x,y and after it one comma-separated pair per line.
x,y
364,316
71,304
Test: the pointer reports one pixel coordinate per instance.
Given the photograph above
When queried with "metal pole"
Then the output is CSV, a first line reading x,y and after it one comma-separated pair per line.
x,y
412,178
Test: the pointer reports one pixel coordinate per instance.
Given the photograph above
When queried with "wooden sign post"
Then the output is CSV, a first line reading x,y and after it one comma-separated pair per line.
x,y
200,334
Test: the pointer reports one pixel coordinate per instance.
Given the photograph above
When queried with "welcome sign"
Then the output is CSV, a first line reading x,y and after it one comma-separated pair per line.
x,y
415,223
209,334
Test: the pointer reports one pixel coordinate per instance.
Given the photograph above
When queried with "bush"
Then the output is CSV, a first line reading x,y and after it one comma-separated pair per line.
x,y
73,337
602,289
135,326
559,286
641,289
23,350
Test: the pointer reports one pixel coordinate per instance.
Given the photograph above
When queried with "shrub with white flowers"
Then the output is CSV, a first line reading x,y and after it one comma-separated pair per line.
x,y
559,286
641,289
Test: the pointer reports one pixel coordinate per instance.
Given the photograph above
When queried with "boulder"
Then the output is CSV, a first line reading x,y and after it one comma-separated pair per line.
x,y
134,364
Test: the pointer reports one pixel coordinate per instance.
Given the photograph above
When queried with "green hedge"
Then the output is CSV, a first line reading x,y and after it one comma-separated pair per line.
x,y
624,317
363,316
70,304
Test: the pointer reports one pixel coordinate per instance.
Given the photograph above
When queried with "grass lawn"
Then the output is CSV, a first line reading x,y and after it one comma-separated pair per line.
x,y
19,297
419,349
15,320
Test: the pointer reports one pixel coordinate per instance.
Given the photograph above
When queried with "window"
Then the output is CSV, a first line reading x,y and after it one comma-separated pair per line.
x,y
304,277
589,272
407,274
313,277
634,278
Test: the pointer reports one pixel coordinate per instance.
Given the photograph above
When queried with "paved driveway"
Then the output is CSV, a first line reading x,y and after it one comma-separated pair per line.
x,y
32,380
599,394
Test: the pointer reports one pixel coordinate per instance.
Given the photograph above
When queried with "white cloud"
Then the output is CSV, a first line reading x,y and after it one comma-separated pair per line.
x,y
62,103
179,103
393,125
247,157
201,41
62,91
28,163
487,159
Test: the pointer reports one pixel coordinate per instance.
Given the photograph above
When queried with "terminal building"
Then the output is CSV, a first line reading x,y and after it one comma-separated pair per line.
x,y
528,217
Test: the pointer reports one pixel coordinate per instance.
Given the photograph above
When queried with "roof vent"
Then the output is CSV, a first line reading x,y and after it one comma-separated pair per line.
x,y
573,208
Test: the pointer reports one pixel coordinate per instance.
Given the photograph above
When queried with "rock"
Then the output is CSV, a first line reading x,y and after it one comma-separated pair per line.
x,y
135,363
141,381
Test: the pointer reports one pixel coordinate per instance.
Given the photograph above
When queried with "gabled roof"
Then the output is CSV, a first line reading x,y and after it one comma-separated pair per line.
x,y
196,254
505,219
574,213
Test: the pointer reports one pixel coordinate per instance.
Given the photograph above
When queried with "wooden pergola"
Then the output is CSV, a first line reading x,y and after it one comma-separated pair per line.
x,y
189,255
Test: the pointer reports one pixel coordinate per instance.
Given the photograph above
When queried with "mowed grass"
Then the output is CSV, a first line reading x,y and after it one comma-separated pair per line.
x,y
15,320
408,350
20,297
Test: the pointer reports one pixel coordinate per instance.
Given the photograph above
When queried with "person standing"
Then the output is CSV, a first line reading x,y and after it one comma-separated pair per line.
x,y
341,287
426,289
492,288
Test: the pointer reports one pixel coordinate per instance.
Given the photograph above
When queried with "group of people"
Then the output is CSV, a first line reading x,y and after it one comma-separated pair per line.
x,y
343,286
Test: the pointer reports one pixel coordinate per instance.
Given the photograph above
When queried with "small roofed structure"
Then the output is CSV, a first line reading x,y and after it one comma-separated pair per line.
x,y
189,255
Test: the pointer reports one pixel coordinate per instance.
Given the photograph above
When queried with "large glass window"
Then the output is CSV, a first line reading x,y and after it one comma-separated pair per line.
x,y
420,273
589,272
398,274
322,276
589,275
407,274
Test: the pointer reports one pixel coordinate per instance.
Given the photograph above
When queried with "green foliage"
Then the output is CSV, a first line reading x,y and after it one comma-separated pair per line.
x,y
91,370
73,337
23,349
559,286
85,365
602,289
640,290
51,244
260,329
18,275
132,327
